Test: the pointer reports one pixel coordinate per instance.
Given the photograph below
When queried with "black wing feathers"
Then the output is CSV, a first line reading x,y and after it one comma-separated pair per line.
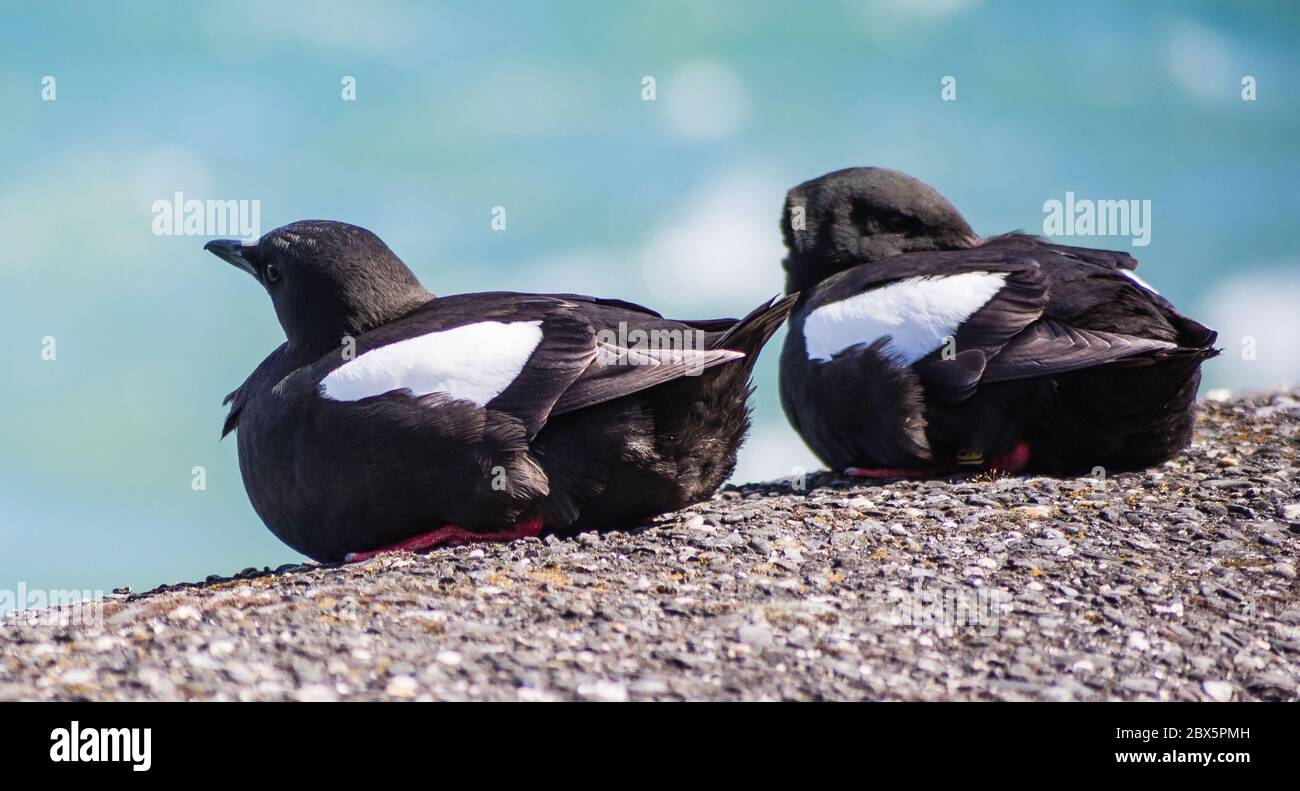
x,y
984,335
1061,309
567,349
1051,348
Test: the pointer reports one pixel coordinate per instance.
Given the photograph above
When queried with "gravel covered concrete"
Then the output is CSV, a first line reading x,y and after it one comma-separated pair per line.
x,y
1174,584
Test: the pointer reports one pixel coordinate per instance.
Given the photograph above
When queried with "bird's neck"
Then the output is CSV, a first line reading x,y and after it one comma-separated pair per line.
x,y
804,274
333,329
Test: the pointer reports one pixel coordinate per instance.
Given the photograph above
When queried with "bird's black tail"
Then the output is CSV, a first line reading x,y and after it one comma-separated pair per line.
x,y
750,333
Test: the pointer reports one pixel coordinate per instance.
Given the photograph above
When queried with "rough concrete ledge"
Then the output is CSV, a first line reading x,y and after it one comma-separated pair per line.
x,y
1174,584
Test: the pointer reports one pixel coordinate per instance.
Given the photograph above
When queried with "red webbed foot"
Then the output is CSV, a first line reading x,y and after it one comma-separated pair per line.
x,y
451,535
1013,461
900,472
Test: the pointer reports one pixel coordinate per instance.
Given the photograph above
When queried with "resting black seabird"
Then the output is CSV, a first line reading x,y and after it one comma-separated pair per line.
x,y
393,419
918,347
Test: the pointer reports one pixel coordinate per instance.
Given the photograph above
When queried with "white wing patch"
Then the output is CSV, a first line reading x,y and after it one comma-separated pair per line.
x,y
471,363
1131,275
916,313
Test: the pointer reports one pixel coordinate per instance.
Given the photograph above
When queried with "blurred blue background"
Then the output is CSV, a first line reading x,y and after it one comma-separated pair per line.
x,y
673,202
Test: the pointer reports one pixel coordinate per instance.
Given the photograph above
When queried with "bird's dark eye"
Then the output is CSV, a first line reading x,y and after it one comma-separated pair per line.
x,y
271,273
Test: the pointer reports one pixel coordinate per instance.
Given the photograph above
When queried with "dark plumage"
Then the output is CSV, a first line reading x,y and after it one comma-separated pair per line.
x,y
390,413
916,342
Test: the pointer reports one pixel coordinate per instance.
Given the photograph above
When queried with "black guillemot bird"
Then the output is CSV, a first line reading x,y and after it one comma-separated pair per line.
x,y
392,419
918,348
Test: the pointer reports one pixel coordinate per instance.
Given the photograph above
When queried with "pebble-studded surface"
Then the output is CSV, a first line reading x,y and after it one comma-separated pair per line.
x,y
1174,584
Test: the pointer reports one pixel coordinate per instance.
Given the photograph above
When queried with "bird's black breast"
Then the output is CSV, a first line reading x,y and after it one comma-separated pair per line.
x,y
329,477
861,406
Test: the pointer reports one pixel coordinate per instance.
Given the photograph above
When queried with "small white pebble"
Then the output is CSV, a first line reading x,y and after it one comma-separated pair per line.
x,y
533,695
185,613
401,687
105,643
1038,511
608,691
78,676
220,648
315,693
1218,690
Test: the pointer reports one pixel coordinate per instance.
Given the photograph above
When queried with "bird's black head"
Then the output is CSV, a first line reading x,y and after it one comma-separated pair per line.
x,y
860,215
326,279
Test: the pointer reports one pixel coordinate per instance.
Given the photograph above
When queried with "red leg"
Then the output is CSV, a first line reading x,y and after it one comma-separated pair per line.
x,y
1013,461
900,472
451,535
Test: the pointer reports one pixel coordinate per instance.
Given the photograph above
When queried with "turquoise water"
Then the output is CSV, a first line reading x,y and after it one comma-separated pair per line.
x,y
674,202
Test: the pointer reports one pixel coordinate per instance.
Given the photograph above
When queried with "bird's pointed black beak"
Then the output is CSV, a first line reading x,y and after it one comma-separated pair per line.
x,y
232,252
